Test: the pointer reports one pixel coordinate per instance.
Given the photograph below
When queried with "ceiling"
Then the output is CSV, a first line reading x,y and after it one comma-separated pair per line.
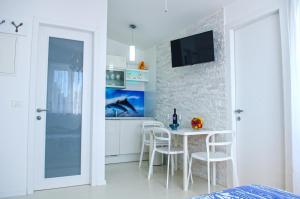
x,y
153,24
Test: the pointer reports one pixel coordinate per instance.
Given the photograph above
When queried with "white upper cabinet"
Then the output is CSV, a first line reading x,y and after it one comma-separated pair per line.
x,y
116,62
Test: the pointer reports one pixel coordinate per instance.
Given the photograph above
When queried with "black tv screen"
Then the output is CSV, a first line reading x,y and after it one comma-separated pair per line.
x,y
192,50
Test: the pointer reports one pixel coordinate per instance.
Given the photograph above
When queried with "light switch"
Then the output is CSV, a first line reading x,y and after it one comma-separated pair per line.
x,y
16,104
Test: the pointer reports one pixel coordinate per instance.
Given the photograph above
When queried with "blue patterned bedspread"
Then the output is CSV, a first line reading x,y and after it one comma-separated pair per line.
x,y
247,192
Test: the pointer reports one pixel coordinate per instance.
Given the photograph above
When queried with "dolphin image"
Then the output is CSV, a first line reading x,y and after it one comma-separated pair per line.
x,y
126,103
122,105
116,106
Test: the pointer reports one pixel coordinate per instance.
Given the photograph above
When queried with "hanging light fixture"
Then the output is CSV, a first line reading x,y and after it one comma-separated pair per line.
x,y
132,46
166,6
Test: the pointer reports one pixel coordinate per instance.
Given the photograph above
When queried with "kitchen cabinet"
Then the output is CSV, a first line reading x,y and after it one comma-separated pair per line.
x,y
113,61
112,138
123,139
116,78
130,136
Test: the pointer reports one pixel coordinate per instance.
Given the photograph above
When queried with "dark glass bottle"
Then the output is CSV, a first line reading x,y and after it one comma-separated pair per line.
x,y
175,121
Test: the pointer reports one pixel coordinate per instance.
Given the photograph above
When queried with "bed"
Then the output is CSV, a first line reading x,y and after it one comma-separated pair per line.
x,y
249,192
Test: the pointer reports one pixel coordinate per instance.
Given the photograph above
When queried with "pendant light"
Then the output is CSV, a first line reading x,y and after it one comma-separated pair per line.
x,y
166,6
132,46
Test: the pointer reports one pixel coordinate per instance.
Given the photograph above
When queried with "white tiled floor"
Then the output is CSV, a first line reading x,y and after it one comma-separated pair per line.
x,y
127,181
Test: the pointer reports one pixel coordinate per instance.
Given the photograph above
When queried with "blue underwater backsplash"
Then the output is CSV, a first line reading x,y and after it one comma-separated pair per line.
x,y
124,103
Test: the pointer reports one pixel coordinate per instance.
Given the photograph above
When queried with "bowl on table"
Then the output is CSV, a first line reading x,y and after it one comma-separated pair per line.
x,y
174,126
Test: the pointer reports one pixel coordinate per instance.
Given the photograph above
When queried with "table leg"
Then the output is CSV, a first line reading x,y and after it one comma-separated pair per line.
x,y
150,149
185,162
214,170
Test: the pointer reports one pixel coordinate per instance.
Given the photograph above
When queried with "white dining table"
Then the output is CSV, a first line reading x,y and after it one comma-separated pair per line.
x,y
185,133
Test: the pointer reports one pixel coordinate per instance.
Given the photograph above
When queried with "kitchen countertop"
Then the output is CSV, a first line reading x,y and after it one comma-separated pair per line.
x,y
129,118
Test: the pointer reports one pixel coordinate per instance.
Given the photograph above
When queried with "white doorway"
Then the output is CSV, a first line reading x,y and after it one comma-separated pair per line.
x,y
63,108
259,102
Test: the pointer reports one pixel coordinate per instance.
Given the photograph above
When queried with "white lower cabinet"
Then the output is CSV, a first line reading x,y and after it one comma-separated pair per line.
x,y
130,136
123,140
112,138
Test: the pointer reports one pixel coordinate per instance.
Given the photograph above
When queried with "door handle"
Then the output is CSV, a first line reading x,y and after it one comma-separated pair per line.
x,y
239,111
41,110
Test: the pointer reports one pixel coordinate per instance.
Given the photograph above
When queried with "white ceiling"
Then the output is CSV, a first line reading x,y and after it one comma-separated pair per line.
x,y
153,24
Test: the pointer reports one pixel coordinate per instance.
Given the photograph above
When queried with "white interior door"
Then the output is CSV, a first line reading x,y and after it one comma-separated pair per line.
x,y
63,100
260,134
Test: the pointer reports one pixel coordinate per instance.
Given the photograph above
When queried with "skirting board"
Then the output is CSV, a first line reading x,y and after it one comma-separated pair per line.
x,y
124,158
12,194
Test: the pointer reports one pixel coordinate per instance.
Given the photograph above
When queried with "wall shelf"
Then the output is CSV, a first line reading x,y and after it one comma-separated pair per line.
x,y
137,75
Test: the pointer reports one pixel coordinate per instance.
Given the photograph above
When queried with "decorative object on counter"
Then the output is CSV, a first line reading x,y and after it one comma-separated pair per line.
x,y
175,118
142,66
197,123
174,126
124,103
175,123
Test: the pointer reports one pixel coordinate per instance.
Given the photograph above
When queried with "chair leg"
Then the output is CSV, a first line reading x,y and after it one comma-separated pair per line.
x,y
151,165
190,175
141,156
214,177
172,165
176,160
192,179
168,166
208,177
234,174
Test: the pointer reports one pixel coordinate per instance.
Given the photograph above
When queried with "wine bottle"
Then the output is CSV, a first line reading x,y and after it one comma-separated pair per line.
x,y
175,121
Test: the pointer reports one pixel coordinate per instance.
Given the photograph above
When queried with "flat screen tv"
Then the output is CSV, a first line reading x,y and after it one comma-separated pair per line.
x,y
192,50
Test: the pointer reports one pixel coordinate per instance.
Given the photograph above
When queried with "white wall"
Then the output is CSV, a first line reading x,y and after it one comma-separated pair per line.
x,y
196,90
150,87
244,10
294,44
89,13
120,49
14,97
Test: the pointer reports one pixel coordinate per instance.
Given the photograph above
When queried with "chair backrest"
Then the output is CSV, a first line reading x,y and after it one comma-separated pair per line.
x,y
214,145
161,134
151,124
147,126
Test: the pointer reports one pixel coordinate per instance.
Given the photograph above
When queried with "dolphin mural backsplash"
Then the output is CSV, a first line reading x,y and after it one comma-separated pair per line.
x,y
124,103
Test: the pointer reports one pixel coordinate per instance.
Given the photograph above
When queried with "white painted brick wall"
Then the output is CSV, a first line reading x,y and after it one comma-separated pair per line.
x,y
197,90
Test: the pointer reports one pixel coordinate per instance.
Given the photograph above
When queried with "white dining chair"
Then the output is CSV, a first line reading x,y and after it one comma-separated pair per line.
x,y
159,135
146,129
216,151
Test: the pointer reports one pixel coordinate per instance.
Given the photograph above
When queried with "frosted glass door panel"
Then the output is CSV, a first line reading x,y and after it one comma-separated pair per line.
x,y
64,108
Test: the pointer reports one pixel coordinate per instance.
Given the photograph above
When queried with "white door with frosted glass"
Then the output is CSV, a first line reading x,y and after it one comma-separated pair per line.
x,y
63,100
259,103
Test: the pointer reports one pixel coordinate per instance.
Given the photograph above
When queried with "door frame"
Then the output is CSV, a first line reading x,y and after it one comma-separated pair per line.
x,y
41,182
97,104
231,89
